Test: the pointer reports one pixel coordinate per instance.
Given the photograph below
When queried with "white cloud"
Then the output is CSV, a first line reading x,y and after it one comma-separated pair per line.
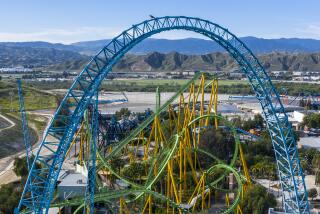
x,y
178,34
304,30
61,35
311,30
83,34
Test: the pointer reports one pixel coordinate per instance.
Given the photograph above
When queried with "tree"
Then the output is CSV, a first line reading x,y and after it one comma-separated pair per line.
x,y
20,167
134,171
317,180
123,112
302,103
256,122
316,162
257,200
308,105
312,120
310,160
236,121
217,142
116,163
316,167
312,193
260,150
9,197
65,74
265,168
258,119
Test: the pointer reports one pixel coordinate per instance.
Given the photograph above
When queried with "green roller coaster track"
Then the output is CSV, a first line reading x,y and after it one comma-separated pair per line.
x,y
168,153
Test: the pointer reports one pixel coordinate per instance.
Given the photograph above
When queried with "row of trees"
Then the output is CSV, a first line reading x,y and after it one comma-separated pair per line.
x,y
256,122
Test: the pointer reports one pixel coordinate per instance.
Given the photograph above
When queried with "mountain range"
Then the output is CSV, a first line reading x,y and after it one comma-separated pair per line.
x,y
217,61
163,54
28,55
185,46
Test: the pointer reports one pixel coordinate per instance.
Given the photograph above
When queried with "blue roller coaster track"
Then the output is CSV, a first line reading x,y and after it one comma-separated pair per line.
x,y
91,163
39,188
25,127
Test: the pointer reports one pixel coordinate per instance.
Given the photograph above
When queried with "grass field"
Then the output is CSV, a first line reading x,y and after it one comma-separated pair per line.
x,y
12,139
34,99
170,85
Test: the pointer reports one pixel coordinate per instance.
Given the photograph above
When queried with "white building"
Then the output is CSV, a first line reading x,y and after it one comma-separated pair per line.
x,y
72,185
298,116
309,142
315,78
297,73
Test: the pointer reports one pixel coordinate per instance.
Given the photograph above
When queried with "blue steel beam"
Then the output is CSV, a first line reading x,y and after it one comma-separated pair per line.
x,y
113,101
41,183
91,163
241,131
25,127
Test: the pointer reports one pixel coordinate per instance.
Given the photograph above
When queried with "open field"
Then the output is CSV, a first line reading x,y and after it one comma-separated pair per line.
x,y
34,99
11,137
38,95
168,85
145,82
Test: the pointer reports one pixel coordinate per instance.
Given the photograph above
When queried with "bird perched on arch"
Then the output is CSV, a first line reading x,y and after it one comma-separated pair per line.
x,y
152,17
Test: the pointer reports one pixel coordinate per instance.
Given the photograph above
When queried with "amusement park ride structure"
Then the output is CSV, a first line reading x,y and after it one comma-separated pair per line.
x,y
25,127
177,148
169,158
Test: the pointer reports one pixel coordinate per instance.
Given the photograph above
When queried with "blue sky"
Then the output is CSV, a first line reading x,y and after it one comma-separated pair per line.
x,y
69,21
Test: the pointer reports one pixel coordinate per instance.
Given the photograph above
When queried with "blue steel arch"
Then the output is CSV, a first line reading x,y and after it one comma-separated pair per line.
x,y
39,188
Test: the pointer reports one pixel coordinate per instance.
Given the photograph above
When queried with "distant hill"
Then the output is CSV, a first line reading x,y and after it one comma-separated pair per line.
x,y
40,44
185,46
156,61
164,54
202,46
11,56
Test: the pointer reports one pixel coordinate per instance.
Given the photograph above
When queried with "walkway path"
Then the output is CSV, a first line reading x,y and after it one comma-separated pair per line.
x,y
12,124
6,164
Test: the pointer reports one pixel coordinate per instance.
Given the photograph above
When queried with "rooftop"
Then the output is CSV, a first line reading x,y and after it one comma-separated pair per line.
x,y
313,142
74,179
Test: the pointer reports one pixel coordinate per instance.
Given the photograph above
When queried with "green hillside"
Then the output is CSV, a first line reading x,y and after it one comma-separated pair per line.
x,y
34,99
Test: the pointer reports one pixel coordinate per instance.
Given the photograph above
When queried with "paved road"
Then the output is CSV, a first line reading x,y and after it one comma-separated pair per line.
x,y
6,164
9,121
